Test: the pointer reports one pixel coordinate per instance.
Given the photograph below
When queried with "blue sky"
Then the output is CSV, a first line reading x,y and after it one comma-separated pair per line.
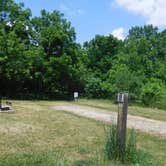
x,y
91,17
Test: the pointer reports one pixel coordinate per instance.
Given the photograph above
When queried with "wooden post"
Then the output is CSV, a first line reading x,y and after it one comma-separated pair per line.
x,y
122,122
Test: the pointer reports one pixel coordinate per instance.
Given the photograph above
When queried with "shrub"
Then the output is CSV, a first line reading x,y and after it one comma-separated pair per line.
x,y
111,144
93,87
122,79
151,92
131,149
161,104
131,155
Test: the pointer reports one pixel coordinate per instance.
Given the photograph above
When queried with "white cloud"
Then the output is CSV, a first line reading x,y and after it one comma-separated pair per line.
x,y
119,33
153,10
69,11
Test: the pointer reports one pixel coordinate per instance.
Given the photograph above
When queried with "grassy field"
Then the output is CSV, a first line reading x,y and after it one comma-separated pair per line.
x,y
35,134
152,113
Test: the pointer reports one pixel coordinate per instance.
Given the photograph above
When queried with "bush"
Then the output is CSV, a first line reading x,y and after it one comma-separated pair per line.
x,y
161,104
111,144
131,149
131,155
151,92
124,80
93,87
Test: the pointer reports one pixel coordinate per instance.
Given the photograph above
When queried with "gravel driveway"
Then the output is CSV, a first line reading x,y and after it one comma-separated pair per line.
x,y
140,123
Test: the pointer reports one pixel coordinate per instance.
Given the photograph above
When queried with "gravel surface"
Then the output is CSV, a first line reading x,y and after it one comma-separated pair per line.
x,y
140,123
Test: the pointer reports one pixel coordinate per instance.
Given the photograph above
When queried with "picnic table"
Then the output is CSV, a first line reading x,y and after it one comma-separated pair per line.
x,y
7,107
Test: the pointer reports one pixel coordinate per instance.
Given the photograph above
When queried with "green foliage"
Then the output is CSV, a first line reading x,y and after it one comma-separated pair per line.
x,y
35,159
111,148
142,32
93,87
131,149
39,58
139,58
151,92
123,80
132,155
160,103
101,51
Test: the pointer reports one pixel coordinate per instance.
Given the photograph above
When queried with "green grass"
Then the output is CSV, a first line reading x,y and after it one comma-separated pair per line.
x,y
152,113
131,154
34,158
36,134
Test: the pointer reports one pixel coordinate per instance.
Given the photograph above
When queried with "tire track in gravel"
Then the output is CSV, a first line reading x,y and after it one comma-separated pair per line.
x,y
136,122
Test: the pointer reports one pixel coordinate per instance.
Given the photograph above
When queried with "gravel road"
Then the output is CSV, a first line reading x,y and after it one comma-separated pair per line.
x,y
140,123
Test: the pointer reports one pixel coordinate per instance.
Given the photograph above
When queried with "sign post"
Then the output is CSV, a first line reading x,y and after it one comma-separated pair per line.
x,y
75,95
122,121
0,102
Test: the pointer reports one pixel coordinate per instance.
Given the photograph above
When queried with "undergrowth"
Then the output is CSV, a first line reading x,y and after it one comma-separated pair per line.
x,y
132,155
50,158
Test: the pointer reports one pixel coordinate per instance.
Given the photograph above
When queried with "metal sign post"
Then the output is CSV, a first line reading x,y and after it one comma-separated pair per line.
x,y
122,120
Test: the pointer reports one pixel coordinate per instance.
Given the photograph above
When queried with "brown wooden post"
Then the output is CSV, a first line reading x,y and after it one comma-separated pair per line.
x,y
122,122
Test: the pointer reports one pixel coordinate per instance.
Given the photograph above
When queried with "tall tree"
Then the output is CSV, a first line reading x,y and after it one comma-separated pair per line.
x,y
101,51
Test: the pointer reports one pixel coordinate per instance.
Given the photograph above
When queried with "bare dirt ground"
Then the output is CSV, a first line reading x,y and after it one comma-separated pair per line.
x,y
136,122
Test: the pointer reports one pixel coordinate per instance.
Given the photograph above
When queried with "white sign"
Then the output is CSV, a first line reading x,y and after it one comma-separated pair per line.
x,y
120,98
75,94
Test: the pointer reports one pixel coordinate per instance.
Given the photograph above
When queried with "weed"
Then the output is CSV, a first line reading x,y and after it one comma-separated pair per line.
x,y
35,159
131,155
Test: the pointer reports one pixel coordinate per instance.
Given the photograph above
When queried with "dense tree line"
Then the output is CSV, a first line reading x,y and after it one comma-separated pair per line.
x,y
39,58
136,65
39,55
